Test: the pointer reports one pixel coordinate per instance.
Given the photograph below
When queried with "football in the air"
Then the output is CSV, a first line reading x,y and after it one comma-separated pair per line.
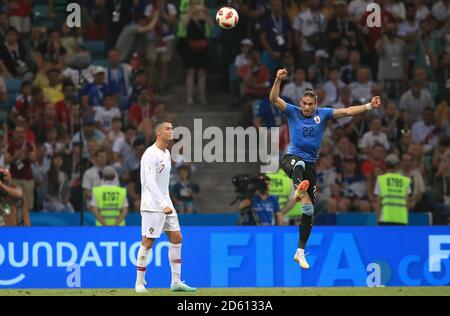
x,y
227,18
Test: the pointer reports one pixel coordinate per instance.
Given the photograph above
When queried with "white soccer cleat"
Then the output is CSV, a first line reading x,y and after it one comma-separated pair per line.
x,y
140,288
301,260
181,287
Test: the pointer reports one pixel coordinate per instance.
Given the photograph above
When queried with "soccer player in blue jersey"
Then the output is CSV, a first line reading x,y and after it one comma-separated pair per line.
x,y
307,124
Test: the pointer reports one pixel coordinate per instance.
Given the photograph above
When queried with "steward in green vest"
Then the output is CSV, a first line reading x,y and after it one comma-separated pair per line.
x,y
109,202
281,186
393,190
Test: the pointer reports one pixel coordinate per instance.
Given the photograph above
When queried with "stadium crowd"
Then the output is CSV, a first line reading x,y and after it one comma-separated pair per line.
x,y
61,126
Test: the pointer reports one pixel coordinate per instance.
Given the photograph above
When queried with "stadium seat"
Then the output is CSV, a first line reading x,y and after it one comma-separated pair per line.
x,y
97,48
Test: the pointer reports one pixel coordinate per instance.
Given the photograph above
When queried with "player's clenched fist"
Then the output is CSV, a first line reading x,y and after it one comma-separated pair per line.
x,y
167,210
376,102
281,74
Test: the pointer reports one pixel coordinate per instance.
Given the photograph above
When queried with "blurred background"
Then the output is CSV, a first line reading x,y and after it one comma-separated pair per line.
x,y
76,100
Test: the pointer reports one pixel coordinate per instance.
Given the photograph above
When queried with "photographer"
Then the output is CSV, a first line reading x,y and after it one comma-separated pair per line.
x,y
262,208
13,211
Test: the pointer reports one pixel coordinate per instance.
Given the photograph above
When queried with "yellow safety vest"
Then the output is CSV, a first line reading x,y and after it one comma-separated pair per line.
x,y
281,186
394,198
110,201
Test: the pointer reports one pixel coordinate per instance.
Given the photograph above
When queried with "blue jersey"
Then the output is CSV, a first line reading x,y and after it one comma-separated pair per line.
x,y
306,132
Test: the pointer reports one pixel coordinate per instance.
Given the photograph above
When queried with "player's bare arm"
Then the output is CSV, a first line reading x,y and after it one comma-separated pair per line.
x,y
275,92
358,109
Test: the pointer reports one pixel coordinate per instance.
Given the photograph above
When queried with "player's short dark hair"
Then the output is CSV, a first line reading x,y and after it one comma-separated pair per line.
x,y
309,93
158,123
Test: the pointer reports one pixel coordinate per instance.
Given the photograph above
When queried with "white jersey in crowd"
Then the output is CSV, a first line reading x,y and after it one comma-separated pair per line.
x,y
155,176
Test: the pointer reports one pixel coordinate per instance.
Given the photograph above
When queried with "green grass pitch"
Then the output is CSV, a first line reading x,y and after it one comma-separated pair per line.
x,y
344,291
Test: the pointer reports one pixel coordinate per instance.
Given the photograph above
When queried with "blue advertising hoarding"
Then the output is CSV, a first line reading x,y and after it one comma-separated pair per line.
x,y
105,257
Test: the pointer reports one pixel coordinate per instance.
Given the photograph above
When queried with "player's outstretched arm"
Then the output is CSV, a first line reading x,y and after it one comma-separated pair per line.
x,y
357,109
275,92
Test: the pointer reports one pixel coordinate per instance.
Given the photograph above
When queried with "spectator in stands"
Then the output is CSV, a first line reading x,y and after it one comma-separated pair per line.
x,y
361,89
48,121
70,39
14,210
376,161
425,132
403,144
14,55
309,26
374,136
128,36
87,133
51,50
184,191
54,92
133,161
344,148
295,89
348,72
288,62
118,75
106,113
244,57
97,18
354,190
373,34
397,9
332,87
116,131
19,13
428,46
344,100
159,41
415,100
197,23
92,93
392,62
256,77
20,155
357,8
142,108
442,187
408,30
40,169
317,72
93,176
341,31
264,208
53,144
22,102
441,10
4,25
57,188
120,14
275,36
443,77
392,123
122,147
327,178
417,183
63,107
421,75
268,115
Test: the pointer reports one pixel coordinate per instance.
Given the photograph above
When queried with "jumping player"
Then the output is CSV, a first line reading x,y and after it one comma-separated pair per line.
x,y
157,211
306,127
